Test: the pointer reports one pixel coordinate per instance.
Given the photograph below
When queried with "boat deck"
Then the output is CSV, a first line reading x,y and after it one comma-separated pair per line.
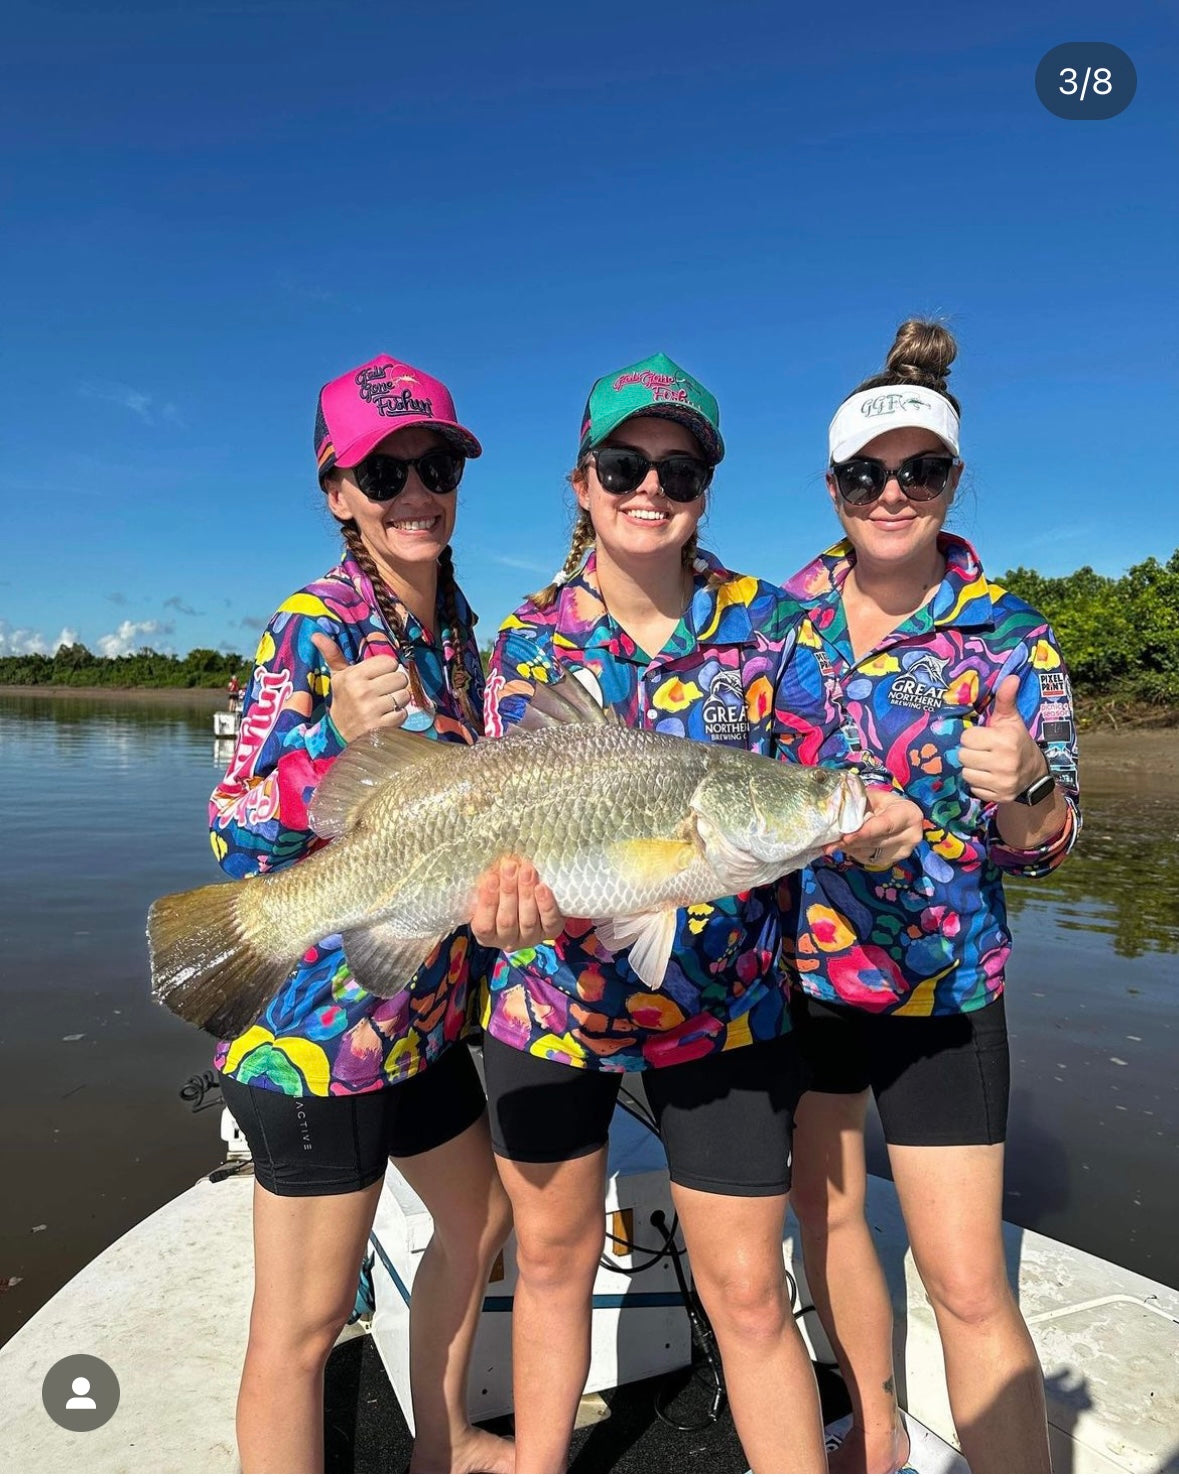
x,y
167,1307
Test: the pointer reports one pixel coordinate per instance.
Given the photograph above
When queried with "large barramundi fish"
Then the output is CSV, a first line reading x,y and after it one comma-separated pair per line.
x,y
624,825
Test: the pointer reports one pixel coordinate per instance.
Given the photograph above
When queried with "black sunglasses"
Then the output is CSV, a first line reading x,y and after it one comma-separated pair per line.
x,y
682,478
382,477
921,478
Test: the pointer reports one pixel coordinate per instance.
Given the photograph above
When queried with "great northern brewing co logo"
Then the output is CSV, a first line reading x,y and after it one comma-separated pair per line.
x,y
922,685
725,718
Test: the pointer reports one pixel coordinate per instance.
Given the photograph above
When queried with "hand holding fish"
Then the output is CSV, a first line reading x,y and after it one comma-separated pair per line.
x,y
369,694
891,832
999,757
514,909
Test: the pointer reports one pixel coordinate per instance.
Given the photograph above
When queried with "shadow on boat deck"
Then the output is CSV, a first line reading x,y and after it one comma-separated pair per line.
x,y
364,1430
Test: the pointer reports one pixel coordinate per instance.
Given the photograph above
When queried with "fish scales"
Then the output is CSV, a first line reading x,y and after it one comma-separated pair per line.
x,y
622,824
564,799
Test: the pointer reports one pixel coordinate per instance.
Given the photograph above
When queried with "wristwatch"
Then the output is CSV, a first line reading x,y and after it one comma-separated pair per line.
x,y
1039,790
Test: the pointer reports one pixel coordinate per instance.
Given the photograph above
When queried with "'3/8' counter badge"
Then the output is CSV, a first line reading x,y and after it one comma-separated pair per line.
x,y
1086,79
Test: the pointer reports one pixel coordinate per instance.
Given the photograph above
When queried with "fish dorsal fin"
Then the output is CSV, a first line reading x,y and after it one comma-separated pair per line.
x,y
365,764
570,699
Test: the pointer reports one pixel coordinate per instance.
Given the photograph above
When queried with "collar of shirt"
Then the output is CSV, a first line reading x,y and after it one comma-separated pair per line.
x,y
717,614
962,600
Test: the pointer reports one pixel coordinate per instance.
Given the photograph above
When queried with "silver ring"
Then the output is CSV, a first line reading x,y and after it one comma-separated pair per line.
x,y
875,857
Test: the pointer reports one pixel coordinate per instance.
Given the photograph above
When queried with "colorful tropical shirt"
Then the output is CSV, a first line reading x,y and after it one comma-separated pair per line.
x,y
731,673
322,1034
928,936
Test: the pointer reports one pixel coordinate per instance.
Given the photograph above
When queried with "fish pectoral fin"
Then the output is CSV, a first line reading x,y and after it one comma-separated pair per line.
x,y
365,764
740,869
644,862
649,936
567,700
381,960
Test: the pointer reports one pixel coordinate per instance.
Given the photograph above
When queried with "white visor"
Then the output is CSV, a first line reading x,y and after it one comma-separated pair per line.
x,y
869,413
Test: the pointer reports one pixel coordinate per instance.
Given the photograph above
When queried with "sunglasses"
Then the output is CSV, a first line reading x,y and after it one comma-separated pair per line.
x,y
382,477
682,478
921,478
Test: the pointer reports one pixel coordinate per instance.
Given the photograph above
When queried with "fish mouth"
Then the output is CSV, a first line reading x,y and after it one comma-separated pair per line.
x,y
852,802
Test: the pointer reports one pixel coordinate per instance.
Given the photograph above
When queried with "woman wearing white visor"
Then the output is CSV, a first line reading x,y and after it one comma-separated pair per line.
x,y
897,972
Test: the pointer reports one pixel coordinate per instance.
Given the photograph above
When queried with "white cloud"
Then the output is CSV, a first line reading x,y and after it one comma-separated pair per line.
x,y
131,635
147,407
22,641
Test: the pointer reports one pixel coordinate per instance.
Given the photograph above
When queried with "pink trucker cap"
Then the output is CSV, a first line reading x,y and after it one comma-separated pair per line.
x,y
360,408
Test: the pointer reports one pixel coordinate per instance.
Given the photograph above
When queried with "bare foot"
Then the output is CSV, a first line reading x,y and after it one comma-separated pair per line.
x,y
476,1451
879,1451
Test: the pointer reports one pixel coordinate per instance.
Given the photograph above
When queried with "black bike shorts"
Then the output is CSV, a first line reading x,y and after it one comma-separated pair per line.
x,y
335,1145
726,1121
938,1080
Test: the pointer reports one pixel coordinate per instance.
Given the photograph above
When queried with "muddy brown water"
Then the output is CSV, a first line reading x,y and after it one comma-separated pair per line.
x,y
102,1093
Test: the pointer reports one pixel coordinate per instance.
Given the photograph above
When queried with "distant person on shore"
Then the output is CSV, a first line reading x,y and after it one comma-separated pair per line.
x,y
960,689
332,1081
233,692
673,642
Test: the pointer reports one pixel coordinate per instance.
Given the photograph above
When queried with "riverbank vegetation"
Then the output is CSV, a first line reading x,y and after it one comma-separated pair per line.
x,y
1120,636
76,666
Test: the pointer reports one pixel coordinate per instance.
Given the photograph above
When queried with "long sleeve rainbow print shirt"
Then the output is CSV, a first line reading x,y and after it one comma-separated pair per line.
x,y
732,672
322,1034
928,936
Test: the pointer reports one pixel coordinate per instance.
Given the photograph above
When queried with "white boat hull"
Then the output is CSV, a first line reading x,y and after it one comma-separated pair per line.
x,y
167,1306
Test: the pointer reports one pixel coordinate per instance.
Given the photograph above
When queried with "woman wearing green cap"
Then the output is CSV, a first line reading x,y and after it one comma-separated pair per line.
x,y
674,642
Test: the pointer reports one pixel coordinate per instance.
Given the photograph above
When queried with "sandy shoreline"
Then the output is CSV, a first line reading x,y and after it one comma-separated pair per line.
x,y
1102,749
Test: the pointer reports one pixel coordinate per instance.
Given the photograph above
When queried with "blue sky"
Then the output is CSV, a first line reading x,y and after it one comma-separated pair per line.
x,y
212,208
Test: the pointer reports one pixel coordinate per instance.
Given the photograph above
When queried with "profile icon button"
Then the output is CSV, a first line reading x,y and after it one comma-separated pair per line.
x,y
80,1392
80,1400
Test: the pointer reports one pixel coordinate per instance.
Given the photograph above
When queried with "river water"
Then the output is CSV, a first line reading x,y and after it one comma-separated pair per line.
x,y
103,806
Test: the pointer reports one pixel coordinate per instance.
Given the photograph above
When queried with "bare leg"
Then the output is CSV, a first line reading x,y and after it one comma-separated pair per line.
x,y
952,1202
307,1254
560,1229
460,1188
735,1246
844,1275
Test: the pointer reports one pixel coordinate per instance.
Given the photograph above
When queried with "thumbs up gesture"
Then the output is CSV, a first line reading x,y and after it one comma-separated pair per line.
x,y
999,757
373,693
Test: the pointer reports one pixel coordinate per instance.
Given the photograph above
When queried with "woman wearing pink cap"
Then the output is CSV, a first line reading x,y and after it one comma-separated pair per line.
x,y
332,1082
897,971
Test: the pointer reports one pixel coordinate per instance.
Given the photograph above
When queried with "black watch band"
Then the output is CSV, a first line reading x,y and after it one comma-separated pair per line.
x,y
1039,790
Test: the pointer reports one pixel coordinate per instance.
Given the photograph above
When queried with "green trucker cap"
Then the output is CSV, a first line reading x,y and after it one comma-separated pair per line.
x,y
655,386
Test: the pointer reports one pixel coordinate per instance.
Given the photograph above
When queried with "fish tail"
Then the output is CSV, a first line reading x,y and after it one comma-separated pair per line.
x,y
204,965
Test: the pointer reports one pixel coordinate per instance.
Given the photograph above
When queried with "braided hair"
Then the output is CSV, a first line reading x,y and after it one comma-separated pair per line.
x,y
454,627
579,545
388,607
